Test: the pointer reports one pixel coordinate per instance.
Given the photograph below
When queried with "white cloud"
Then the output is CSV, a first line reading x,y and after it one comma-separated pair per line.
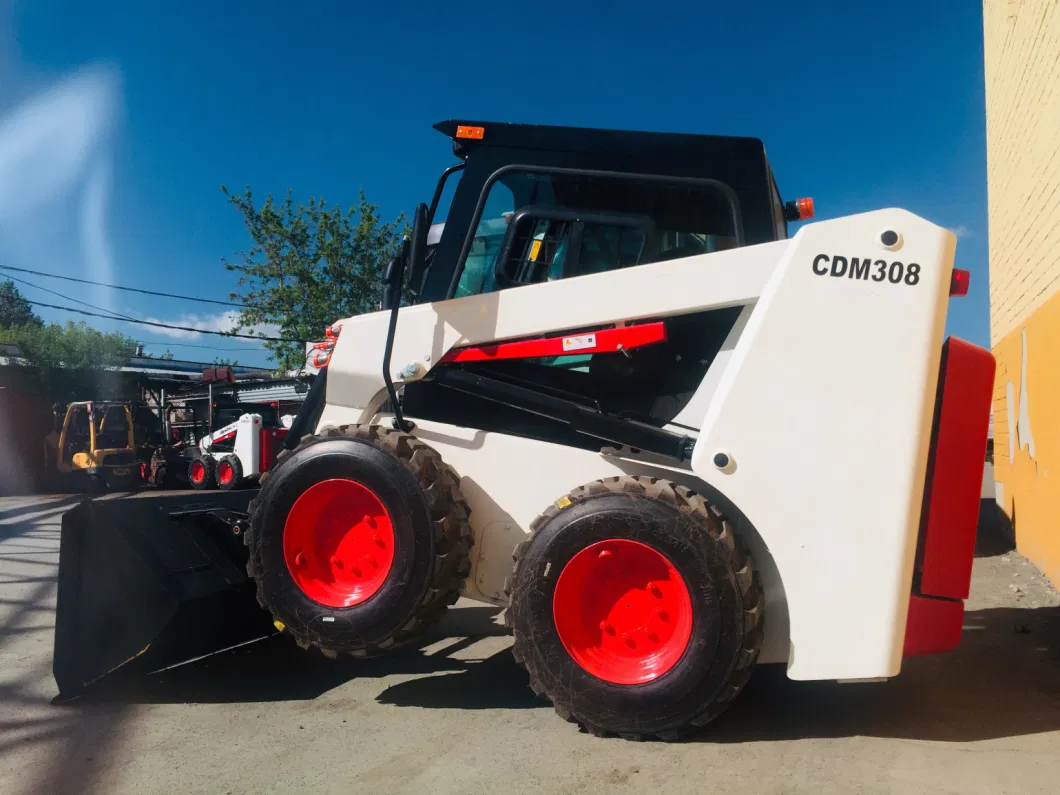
x,y
48,143
223,321
55,148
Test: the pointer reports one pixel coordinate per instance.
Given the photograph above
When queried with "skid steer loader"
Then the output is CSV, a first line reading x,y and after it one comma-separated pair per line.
x,y
239,451
671,440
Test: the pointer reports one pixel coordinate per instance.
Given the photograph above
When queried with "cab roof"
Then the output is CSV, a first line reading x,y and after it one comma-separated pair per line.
x,y
467,134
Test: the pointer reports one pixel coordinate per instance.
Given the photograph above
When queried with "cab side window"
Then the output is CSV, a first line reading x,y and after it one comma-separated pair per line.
x,y
540,225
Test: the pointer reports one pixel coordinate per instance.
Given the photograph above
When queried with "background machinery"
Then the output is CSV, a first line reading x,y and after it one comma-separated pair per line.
x,y
240,450
92,447
671,440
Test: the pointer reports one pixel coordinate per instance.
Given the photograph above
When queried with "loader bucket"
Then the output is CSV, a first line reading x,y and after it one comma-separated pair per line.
x,y
150,581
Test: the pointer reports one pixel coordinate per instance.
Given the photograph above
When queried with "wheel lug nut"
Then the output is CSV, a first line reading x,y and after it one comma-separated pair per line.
x,y
356,572
629,641
379,542
336,563
662,615
373,563
606,627
655,590
653,637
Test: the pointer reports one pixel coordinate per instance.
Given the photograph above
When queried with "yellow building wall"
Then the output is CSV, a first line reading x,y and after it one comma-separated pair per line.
x,y
1022,71
1027,435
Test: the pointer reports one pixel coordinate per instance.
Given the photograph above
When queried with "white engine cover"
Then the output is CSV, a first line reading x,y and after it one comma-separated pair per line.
x,y
822,401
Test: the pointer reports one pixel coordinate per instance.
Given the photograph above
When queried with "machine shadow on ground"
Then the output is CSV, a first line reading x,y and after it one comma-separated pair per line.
x,y
24,519
276,669
1000,682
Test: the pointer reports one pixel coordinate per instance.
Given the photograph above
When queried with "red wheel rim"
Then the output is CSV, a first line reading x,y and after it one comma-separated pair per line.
x,y
198,472
622,611
338,543
224,472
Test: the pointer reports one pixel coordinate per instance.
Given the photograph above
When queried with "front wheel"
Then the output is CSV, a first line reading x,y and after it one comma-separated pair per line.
x,y
359,540
201,474
635,609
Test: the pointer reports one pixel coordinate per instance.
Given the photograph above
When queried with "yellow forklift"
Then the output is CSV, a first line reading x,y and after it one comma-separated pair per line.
x,y
92,447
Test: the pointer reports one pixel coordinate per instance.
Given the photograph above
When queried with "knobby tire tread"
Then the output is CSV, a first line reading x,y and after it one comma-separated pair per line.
x,y
449,514
714,522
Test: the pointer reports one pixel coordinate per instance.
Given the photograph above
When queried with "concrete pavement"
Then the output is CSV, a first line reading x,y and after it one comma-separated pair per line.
x,y
458,716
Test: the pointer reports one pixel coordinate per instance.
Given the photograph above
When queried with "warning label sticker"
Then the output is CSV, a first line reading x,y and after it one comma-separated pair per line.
x,y
579,343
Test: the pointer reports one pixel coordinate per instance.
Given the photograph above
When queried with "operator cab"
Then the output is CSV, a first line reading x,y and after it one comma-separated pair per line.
x,y
535,203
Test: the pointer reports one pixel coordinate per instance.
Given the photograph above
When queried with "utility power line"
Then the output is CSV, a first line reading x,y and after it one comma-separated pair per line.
x,y
168,344
112,315
115,315
127,289
165,325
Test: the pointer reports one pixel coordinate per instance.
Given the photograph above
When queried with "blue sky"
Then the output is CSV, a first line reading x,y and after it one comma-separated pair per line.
x,y
137,115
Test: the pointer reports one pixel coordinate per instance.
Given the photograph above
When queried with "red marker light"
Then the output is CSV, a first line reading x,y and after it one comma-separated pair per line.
x,y
798,210
960,282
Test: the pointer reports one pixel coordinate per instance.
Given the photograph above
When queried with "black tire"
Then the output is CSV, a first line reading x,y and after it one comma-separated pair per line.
x,y
726,598
229,473
208,478
432,539
127,482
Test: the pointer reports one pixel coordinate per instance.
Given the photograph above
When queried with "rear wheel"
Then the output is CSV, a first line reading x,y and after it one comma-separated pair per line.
x,y
635,609
201,472
359,540
229,472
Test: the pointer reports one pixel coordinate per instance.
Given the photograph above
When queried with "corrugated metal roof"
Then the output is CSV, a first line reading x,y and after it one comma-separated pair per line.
x,y
160,368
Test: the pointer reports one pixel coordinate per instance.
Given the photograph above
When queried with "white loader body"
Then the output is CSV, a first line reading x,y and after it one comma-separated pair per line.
x,y
246,431
821,401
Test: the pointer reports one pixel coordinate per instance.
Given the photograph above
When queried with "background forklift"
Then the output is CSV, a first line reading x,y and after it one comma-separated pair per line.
x,y
92,447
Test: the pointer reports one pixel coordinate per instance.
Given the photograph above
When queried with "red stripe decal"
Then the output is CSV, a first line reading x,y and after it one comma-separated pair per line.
x,y
610,340
224,438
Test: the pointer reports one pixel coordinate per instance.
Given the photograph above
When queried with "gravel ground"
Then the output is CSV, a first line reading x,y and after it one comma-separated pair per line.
x,y
457,715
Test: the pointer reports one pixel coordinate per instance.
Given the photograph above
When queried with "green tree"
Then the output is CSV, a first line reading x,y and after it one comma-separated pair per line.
x,y
308,266
15,310
72,360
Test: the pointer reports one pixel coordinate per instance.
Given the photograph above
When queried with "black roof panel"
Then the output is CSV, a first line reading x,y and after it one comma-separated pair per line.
x,y
590,139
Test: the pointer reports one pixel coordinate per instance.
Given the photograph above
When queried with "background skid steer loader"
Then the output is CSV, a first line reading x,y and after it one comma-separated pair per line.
x,y
244,446
678,442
